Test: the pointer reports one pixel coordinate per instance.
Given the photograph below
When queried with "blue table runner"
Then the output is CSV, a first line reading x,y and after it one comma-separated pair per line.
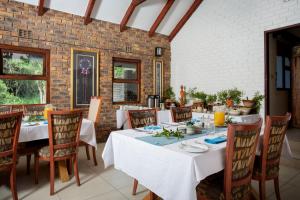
x,y
162,141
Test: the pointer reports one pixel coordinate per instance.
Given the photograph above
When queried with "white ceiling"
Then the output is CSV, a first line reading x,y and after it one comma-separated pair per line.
x,y
114,10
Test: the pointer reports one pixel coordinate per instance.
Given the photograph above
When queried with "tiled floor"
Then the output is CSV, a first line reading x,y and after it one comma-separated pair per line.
x,y
98,183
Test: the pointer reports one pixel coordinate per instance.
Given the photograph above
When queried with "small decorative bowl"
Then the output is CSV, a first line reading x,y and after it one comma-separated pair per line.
x,y
248,103
245,110
234,112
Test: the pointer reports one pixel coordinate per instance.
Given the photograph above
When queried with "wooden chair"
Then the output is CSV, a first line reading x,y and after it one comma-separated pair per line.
x,y
93,115
181,114
9,136
64,129
5,109
34,110
235,182
266,166
31,148
141,118
17,108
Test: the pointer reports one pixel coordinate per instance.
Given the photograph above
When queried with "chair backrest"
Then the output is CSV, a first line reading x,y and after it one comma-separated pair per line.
x,y
141,118
180,114
94,109
9,136
241,146
17,108
275,130
5,109
64,131
34,110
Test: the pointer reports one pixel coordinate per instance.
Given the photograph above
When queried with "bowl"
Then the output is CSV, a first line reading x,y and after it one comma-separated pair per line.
x,y
248,103
234,112
245,110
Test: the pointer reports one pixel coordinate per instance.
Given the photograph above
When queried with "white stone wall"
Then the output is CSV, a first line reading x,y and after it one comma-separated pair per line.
x,y
222,44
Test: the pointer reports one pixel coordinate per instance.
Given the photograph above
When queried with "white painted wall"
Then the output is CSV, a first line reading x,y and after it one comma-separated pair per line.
x,y
222,44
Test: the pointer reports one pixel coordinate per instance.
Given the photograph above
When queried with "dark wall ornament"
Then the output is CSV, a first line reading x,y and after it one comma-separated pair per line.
x,y
84,77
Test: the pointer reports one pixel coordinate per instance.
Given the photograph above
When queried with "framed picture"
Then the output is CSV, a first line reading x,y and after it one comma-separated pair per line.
x,y
84,77
158,72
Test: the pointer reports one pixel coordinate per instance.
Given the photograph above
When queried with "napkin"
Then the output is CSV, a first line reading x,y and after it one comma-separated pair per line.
x,y
151,127
216,140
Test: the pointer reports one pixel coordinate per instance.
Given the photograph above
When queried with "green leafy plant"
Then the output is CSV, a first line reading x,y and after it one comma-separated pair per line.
x,y
235,95
193,93
211,98
257,98
169,133
223,96
169,93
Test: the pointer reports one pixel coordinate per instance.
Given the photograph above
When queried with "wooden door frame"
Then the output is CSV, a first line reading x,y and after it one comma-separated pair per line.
x,y
267,67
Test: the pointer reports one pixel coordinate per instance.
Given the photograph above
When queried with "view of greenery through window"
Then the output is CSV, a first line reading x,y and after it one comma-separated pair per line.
x,y
14,91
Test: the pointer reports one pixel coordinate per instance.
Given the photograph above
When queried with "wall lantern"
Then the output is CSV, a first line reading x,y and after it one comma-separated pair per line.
x,y
158,51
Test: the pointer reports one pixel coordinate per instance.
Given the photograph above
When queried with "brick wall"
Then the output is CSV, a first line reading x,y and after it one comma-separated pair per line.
x,y
222,44
59,32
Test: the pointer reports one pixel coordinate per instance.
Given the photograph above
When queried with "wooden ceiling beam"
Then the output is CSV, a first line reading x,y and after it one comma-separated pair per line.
x,y
41,8
160,17
129,12
88,12
184,19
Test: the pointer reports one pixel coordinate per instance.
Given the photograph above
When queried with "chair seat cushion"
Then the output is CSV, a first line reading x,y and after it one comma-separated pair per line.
x,y
271,170
211,187
45,152
6,161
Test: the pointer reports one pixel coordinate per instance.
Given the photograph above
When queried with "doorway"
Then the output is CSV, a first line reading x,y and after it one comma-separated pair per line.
x,y
282,78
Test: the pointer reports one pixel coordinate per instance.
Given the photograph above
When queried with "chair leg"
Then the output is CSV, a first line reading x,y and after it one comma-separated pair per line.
x,y
262,190
135,184
76,173
87,151
276,186
13,186
36,167
52,173
28,159
94,156
69,163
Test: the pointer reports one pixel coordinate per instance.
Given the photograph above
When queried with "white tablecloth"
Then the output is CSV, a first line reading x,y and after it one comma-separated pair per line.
x,y
122,118
168,171
31,133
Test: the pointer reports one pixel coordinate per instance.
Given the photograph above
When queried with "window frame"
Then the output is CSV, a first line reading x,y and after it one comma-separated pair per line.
x,y
45,53
135,81
284,69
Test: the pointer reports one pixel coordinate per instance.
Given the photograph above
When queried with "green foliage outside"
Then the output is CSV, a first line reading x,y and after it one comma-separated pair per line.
x,y
22,91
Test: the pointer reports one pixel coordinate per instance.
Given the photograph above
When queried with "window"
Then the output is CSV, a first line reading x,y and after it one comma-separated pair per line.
x,y
24,75
126,80
283,73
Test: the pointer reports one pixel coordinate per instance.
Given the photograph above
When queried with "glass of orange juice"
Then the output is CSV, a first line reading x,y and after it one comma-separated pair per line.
x,y
48,107
219,118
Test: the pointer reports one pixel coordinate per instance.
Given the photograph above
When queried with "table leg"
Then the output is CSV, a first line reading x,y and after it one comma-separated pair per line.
x,y
63,171
151,196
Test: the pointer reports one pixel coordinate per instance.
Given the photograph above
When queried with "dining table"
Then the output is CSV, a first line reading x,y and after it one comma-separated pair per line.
x,y
163,165
33,131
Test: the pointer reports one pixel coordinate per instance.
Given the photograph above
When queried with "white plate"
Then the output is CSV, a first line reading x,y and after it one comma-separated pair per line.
x,y
193,147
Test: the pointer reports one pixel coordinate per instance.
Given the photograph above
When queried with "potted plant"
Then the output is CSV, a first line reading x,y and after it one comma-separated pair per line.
x,y
198,97
222,96
210,100
235,95
257,98
248,103
169,97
